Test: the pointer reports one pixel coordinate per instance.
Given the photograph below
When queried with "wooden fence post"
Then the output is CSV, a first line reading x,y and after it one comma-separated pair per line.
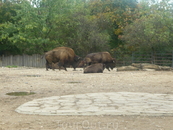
x,y
172,58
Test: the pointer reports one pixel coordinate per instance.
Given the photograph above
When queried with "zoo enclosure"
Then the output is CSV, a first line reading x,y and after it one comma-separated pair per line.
x,y
162,59
36,60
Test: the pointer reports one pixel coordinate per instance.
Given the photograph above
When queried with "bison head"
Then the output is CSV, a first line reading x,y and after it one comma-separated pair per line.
x,y
77,58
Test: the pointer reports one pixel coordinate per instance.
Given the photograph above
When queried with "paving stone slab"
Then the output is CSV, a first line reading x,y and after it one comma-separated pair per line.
x,y
113,103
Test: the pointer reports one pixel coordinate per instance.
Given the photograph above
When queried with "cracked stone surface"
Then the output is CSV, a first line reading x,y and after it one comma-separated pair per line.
x,y
112,103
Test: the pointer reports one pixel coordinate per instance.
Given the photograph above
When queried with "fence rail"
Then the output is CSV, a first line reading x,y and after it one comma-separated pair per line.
x,y
37,60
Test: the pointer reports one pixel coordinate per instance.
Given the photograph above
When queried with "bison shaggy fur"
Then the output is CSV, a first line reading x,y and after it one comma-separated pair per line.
x,y
100,57
95,68
62,56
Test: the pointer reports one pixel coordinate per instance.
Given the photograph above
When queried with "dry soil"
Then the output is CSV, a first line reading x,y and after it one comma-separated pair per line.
x,y
56,83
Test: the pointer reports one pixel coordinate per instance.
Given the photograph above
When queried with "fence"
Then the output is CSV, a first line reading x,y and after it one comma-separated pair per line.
x,y
23,60
162,59
36,60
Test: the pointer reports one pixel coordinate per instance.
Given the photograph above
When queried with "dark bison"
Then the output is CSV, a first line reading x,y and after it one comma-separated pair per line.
x,y
100,57
95,68
61,57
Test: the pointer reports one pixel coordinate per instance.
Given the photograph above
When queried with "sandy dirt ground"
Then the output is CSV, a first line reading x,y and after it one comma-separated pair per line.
x,y
56,83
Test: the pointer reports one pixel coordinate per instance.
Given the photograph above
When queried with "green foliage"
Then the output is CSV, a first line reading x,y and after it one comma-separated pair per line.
x,y
151,32
117,17
34,28
7,13
37,26
83,34
47,24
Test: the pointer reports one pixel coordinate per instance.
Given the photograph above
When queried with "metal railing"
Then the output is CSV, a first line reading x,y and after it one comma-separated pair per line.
x,y
162,59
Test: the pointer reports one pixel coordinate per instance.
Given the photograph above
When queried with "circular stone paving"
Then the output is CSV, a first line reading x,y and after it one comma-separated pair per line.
x,y
113,103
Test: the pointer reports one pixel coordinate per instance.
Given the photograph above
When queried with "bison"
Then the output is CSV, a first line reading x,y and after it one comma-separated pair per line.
x,y
95,68
62,56
81,64
100,57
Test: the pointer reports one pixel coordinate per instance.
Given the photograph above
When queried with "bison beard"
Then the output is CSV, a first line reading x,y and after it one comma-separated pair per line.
x,y
62,56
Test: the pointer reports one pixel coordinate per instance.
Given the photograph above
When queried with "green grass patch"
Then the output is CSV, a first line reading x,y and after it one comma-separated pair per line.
x,y
11,66
20,93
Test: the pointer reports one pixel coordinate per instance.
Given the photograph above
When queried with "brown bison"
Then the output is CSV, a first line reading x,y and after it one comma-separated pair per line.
x,y
81,64
100,57
62,56
95,68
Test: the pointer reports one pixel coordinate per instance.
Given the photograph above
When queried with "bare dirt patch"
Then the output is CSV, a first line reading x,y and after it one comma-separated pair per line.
x,y
56,83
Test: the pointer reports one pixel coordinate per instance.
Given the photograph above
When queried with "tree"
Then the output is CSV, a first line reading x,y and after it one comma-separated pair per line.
x,y
86,26
7,13
116,12
153,31
33,27
42,25
36,23
83,32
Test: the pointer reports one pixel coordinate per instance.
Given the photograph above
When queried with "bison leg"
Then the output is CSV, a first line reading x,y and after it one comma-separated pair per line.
x,y
107,68
53,66
74,65
60,64
64,67
47,66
